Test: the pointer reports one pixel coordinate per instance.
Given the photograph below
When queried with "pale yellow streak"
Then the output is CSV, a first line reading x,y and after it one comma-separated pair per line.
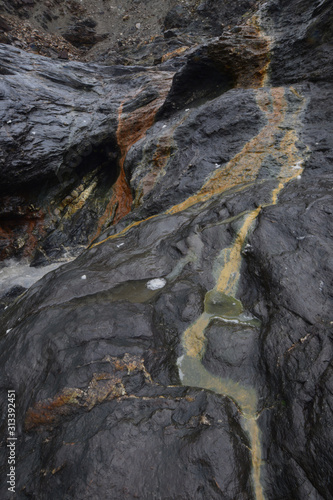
x,y
124,231
229,276
194,336
250,424
254,152
242,169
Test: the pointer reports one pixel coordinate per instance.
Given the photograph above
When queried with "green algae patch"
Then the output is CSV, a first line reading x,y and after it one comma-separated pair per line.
x,y
219,304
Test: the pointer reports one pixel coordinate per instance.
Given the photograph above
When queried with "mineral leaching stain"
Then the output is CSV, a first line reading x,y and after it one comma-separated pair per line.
x,y
266,148
132,126
221,302
273,149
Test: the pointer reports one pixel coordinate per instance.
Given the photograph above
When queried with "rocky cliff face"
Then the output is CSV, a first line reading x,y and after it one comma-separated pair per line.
x,y
186,352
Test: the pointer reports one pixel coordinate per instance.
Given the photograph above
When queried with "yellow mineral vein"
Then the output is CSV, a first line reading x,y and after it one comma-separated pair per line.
x,y
194,374
275,141
245,168
229,276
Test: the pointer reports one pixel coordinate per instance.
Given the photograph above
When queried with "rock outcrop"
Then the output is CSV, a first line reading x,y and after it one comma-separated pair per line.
x,y
66,131
186,352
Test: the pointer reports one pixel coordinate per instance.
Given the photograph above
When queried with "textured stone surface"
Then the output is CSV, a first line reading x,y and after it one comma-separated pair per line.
x,y
122,32
210,174
66,129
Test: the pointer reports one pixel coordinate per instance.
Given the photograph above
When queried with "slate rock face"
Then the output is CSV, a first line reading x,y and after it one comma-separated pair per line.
x,y
302,46
187,351
62,149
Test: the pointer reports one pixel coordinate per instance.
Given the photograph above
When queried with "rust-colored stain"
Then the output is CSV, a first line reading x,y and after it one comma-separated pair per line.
x,y
47,412
70,400
244,168
102,387
132,127
22,226
244,52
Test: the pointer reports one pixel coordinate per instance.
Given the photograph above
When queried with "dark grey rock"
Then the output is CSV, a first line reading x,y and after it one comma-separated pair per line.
x,y
94,352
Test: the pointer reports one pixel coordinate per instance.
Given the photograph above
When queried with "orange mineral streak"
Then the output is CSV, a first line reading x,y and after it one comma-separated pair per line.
x,y
131,128
288,160
244,51
243,169
275,147
35,232
174,53
45,413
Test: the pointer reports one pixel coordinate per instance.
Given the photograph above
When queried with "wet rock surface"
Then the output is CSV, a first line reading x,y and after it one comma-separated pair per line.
x,y
60,155
186,352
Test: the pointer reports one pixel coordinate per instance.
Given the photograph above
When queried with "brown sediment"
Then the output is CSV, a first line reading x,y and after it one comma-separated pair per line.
x,y
132,127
